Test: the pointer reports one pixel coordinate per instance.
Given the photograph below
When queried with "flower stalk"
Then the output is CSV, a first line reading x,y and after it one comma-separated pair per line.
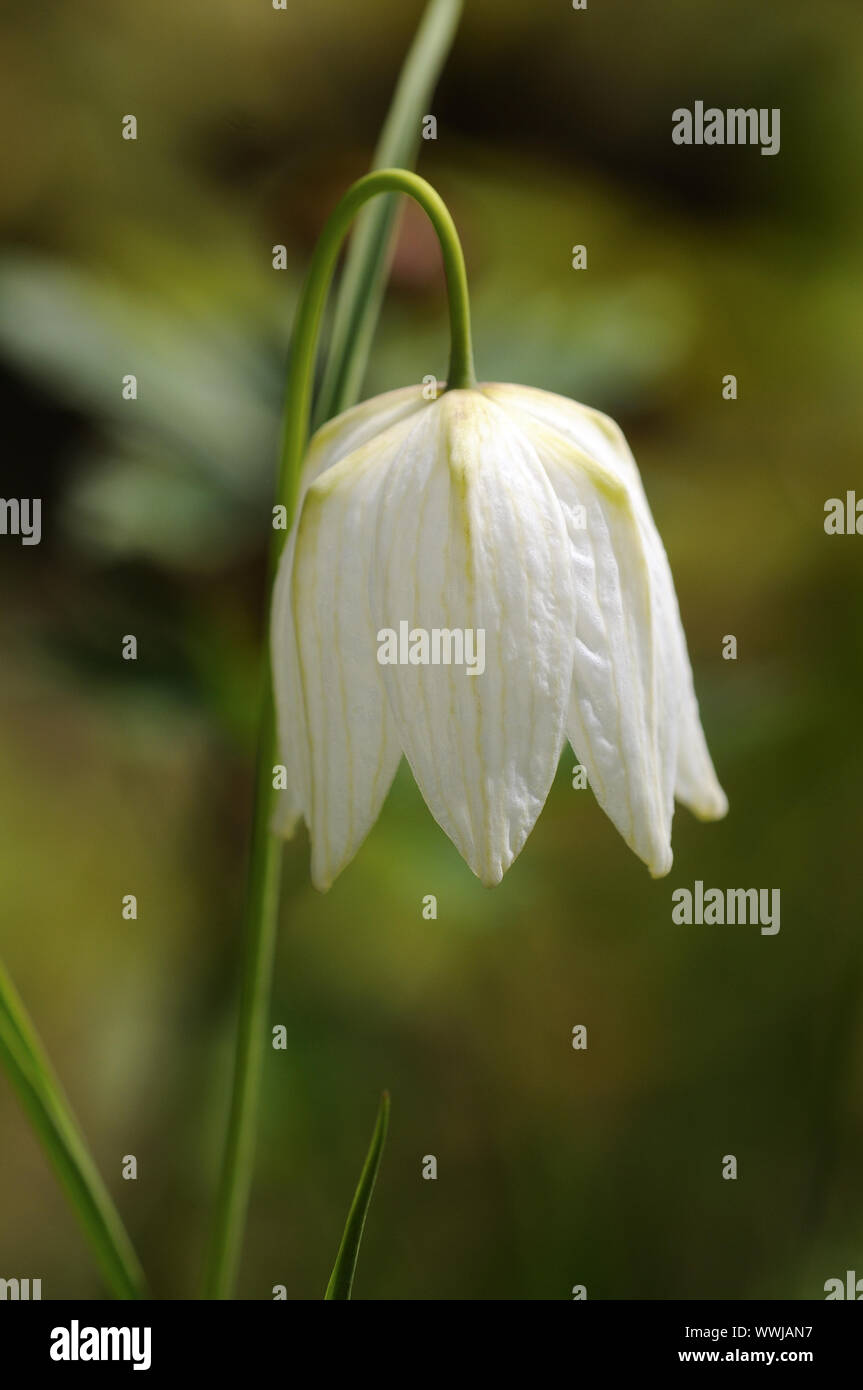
x,y
264,872
363,277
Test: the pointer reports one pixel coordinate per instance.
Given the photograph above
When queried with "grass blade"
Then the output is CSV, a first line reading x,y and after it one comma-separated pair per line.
x,y
342,1277
362,285
48,1110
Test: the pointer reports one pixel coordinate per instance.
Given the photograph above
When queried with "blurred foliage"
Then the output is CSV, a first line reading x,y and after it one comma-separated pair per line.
x,y
556,1167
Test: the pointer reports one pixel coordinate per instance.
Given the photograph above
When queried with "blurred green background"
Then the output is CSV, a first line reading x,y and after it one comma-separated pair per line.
x,y
556,1167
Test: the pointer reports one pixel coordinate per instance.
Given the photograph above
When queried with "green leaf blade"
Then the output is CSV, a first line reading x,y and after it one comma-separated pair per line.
x,y
45,1105
344,1269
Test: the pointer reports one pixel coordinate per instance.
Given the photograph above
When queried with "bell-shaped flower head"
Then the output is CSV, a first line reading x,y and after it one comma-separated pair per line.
x,y
470,582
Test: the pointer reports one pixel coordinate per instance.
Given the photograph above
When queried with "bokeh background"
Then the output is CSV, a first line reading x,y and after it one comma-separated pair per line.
x,y
556,1167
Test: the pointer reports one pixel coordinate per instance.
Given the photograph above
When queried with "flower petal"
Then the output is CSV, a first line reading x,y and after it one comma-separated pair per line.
x,y
332,442
353,746
695,781
622,721
470,539
696,784
346,433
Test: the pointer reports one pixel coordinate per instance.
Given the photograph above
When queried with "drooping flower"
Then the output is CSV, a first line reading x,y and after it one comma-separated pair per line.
x,y
505,512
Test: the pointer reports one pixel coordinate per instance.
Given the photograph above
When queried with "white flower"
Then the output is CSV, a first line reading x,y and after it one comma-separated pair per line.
x,y
503,510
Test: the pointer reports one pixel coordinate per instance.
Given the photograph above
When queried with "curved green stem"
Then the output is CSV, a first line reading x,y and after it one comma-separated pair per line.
x,y
310,312
265,859
364,269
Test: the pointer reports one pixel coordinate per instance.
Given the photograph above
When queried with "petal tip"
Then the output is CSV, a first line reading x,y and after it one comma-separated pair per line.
x,y
322,882
713,806
488,867
285,821
490,878
661,867
322,871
